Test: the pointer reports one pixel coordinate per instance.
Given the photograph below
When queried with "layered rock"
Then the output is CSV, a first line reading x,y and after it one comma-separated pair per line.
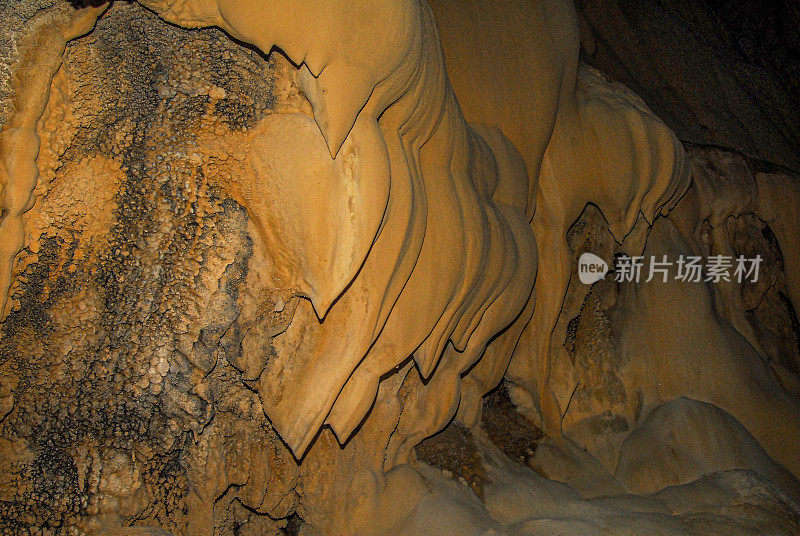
x,y
246,283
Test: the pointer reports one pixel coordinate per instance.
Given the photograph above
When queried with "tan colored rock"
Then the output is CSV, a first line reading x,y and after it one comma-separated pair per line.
x,y
137,531
564,461
251,280
683,440
460,193
39,58
586,139
698,355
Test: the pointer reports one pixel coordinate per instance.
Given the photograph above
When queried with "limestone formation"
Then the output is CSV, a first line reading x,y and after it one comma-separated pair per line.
x,y
600,144
277,267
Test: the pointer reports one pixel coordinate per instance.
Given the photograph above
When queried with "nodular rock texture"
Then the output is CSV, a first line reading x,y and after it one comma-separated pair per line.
x,y
330,288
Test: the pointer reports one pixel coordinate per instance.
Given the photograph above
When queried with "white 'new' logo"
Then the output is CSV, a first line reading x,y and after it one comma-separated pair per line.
x,y
591,268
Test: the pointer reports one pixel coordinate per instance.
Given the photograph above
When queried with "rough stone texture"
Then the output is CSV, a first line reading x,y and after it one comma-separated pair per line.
x,y
141,319
13,16
512,432
131,273
453,451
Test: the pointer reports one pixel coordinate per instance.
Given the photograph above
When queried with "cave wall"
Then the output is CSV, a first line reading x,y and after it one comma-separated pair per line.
x,y
190,241
131,271
718,73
